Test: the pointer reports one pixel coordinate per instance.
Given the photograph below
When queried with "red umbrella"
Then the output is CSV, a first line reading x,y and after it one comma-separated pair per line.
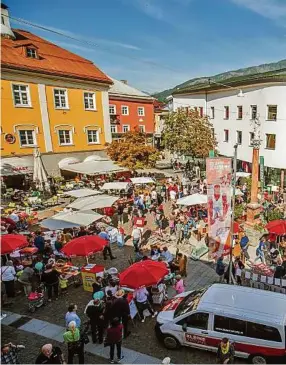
x,y
277,227
144,273
84,246
11,242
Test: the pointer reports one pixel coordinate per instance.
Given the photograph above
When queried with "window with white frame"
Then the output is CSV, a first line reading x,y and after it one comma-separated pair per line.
x,y
125,128
212,112
112,109
124,110
239,137
251,138
27,138
31,52
141,111
226,135
61,98
142,128
92,136
253,109
239,112
89,101
65,137
113,128
226,112
272,112
21,95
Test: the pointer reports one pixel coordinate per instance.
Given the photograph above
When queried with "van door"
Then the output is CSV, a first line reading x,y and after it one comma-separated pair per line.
x,y
195,327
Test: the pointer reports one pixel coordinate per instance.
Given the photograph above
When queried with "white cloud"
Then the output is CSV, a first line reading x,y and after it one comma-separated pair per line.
x,y
273,9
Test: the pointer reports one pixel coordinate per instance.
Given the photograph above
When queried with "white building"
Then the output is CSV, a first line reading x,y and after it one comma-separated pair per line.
x,y
233,116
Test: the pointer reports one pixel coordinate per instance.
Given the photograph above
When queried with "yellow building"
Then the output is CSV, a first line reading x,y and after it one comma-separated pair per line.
x,y
51,98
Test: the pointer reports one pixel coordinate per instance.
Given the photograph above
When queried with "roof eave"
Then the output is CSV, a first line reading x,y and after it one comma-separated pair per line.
x,y
55,73
125,96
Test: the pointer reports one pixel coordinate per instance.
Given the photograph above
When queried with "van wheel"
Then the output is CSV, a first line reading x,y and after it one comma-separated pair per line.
x,y
171,342
257,359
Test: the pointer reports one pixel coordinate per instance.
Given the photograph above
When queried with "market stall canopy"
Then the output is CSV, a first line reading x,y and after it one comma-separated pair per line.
x,y
96,166
277,226
81,193
193,199
84,246
238,192
115,185
94,202
71,219
144,273
12,242
142,180
242,174
67,161
16,166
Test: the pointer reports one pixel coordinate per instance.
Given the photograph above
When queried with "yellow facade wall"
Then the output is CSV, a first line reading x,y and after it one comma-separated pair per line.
x,y
15,118
78,118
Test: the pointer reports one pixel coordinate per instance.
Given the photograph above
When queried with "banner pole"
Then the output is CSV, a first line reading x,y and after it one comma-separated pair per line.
x,y
231,278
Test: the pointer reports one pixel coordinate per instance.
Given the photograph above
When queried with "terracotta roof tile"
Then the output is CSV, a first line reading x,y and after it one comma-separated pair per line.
x,y
52,58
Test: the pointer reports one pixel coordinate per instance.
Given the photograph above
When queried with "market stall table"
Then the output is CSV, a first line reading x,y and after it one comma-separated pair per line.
x,y
29,254
71,273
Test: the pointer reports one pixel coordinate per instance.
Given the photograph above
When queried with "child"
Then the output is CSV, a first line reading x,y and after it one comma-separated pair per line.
x,y
179,286
63,284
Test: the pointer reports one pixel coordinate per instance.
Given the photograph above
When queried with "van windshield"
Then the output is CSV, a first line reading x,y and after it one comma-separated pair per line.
x,y
190,302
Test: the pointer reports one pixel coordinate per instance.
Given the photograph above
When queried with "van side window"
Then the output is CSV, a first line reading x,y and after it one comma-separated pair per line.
x,y
249,329
196,320
263,332
229,325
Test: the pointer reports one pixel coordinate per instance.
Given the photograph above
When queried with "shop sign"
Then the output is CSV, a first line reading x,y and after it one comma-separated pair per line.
x,y
10,138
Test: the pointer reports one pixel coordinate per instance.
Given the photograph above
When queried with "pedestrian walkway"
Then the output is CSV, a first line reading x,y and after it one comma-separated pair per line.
x,y
55,332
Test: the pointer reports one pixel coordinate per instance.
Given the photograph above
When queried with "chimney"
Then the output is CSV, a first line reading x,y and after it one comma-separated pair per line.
x,y
124,82
6,30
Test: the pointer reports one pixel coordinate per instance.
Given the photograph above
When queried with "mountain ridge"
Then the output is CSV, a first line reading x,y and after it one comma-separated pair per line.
x,y
266,67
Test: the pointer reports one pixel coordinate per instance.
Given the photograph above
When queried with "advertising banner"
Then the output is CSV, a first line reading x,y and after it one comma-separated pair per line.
x,y
219,178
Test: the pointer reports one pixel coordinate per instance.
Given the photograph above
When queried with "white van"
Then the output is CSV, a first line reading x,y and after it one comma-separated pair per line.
x,y
254,320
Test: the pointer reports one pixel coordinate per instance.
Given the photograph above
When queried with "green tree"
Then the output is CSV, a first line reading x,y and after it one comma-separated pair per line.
x,y
187,133
133,151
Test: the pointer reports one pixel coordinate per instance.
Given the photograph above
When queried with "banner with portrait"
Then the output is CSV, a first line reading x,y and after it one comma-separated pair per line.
x,y
219,190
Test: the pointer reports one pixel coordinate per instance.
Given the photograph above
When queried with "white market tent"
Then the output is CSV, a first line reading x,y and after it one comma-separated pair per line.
x,y
242,174
193,199
71,219
142,180
238,192
12,166
115,185
93,165
93,202
81,193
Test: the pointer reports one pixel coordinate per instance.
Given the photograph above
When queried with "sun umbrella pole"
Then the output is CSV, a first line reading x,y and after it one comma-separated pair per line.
x,y
86,257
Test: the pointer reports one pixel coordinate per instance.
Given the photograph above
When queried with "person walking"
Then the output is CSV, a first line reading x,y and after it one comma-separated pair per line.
x,y
120,211
141,297
75,345
71,315
261,248
39,242
114,339
220,268
225,352
136,237
95,314
9,353
179,285
244,244
121,309
8,274
107,249
26,279
50,355
50,278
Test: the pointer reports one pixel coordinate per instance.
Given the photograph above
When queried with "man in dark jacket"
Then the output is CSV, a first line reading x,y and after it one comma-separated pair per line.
x,y
95,314
121,310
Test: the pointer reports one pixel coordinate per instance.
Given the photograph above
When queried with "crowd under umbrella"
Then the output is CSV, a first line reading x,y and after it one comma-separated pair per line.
x,y
12,242
40,176
84,246
143,273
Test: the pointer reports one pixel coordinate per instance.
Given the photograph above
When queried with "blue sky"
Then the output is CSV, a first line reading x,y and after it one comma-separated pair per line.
x,y
157,44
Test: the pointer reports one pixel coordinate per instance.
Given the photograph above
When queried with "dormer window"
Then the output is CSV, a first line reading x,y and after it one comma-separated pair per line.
x,y
31,52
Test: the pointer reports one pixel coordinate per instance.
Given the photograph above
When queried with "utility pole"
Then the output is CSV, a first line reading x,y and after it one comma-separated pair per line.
x,y
231,278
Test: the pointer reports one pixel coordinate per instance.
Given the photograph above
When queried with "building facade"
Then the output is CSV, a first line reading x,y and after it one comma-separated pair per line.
x,y
241,108
130,109
51,98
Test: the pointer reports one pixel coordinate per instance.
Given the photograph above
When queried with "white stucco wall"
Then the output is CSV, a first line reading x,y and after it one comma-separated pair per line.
x,y
260,95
